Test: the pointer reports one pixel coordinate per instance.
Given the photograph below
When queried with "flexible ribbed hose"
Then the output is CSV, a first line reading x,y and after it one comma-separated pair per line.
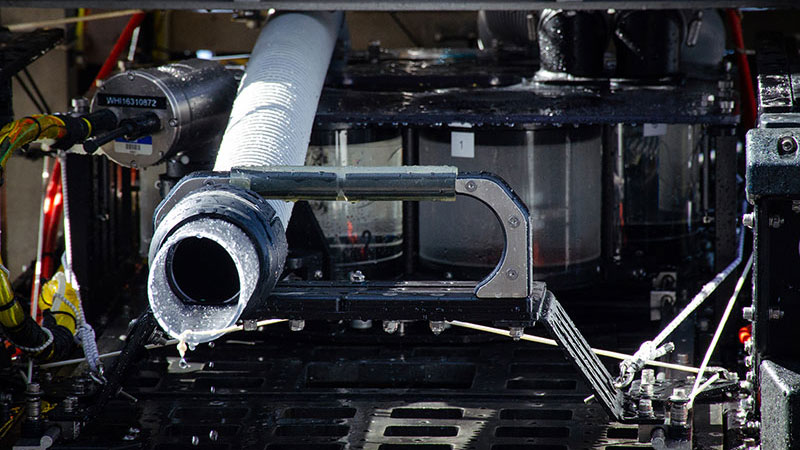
x,y
274,111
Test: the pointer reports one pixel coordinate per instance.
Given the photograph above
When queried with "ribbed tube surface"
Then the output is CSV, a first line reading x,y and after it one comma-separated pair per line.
x,y
274,111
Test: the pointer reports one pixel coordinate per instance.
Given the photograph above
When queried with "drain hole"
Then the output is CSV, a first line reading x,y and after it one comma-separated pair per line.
x,y
390,375
622,433
421,431
528,447
224,431
527,383
320,413
536,369
415,447
312,430
305,446
205,414
228,382
535,414
532,432
427,413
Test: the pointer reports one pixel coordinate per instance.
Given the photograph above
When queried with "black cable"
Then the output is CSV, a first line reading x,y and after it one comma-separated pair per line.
x,y
405,29
38,92
30,94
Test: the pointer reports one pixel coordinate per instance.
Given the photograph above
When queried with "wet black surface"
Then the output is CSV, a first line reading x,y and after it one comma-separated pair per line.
x,y
358,390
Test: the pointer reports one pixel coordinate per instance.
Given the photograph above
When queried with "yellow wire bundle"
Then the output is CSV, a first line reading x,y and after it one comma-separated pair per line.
x,y
15,135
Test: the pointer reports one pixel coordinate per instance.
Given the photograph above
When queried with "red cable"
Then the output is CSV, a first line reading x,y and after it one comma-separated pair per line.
x,y
749,108
119,46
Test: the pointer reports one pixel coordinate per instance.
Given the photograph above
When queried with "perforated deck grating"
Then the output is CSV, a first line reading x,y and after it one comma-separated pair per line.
x,y
254,394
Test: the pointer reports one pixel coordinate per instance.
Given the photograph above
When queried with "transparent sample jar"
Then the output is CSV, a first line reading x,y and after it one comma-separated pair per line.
x,y
365,235
556,171
659,169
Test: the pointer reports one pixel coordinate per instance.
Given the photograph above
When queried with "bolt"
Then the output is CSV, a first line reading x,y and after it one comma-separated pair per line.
x,y
361,324
34,402
646,407
775,221
775,314
297,324
516,332
748,361
679,411
318,274
213,435
69,403
471,186
390,326
357,277
437,326
796,206
787,145
750,376
748,346
646,383
173,122
749,220
513,221
195,441
512,274
748,313
131,76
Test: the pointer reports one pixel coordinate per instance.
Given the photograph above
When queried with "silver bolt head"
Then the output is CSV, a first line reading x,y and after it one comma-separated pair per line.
x,y
297,325
749,220
390,326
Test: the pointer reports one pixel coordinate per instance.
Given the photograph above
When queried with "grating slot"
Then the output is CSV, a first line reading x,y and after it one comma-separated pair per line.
x,y
532,432
347,353
622,433
390,375
535,414
224,431
236,366
305,446
229,382
415,447
445,352
534,369
550,385
312,430
528,447
209,414
320,413
192,447
427,413
426,431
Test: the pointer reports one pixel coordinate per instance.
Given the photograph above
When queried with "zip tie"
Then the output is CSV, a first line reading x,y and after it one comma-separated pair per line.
x,y
600,352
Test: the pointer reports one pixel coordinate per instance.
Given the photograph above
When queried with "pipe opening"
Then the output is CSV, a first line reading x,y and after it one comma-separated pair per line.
x,y
200,271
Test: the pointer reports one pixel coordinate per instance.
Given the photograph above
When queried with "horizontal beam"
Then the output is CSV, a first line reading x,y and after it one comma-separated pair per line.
x,y
400,5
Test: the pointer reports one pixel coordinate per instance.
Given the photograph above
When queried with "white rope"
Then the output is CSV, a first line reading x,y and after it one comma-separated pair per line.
x,y
722,321
149,346
650,349
600,352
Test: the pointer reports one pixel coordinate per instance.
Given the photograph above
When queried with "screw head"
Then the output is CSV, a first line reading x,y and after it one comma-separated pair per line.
x,y
512,274
471,186
787,145
513,221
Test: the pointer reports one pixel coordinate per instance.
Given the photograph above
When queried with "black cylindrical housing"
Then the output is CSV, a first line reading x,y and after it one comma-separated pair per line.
x,y
648,43
572,42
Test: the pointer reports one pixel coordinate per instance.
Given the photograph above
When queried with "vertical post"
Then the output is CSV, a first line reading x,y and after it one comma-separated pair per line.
x,y
410,209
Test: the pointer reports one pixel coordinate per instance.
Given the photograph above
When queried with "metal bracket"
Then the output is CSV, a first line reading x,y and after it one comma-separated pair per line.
x,y
513,275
